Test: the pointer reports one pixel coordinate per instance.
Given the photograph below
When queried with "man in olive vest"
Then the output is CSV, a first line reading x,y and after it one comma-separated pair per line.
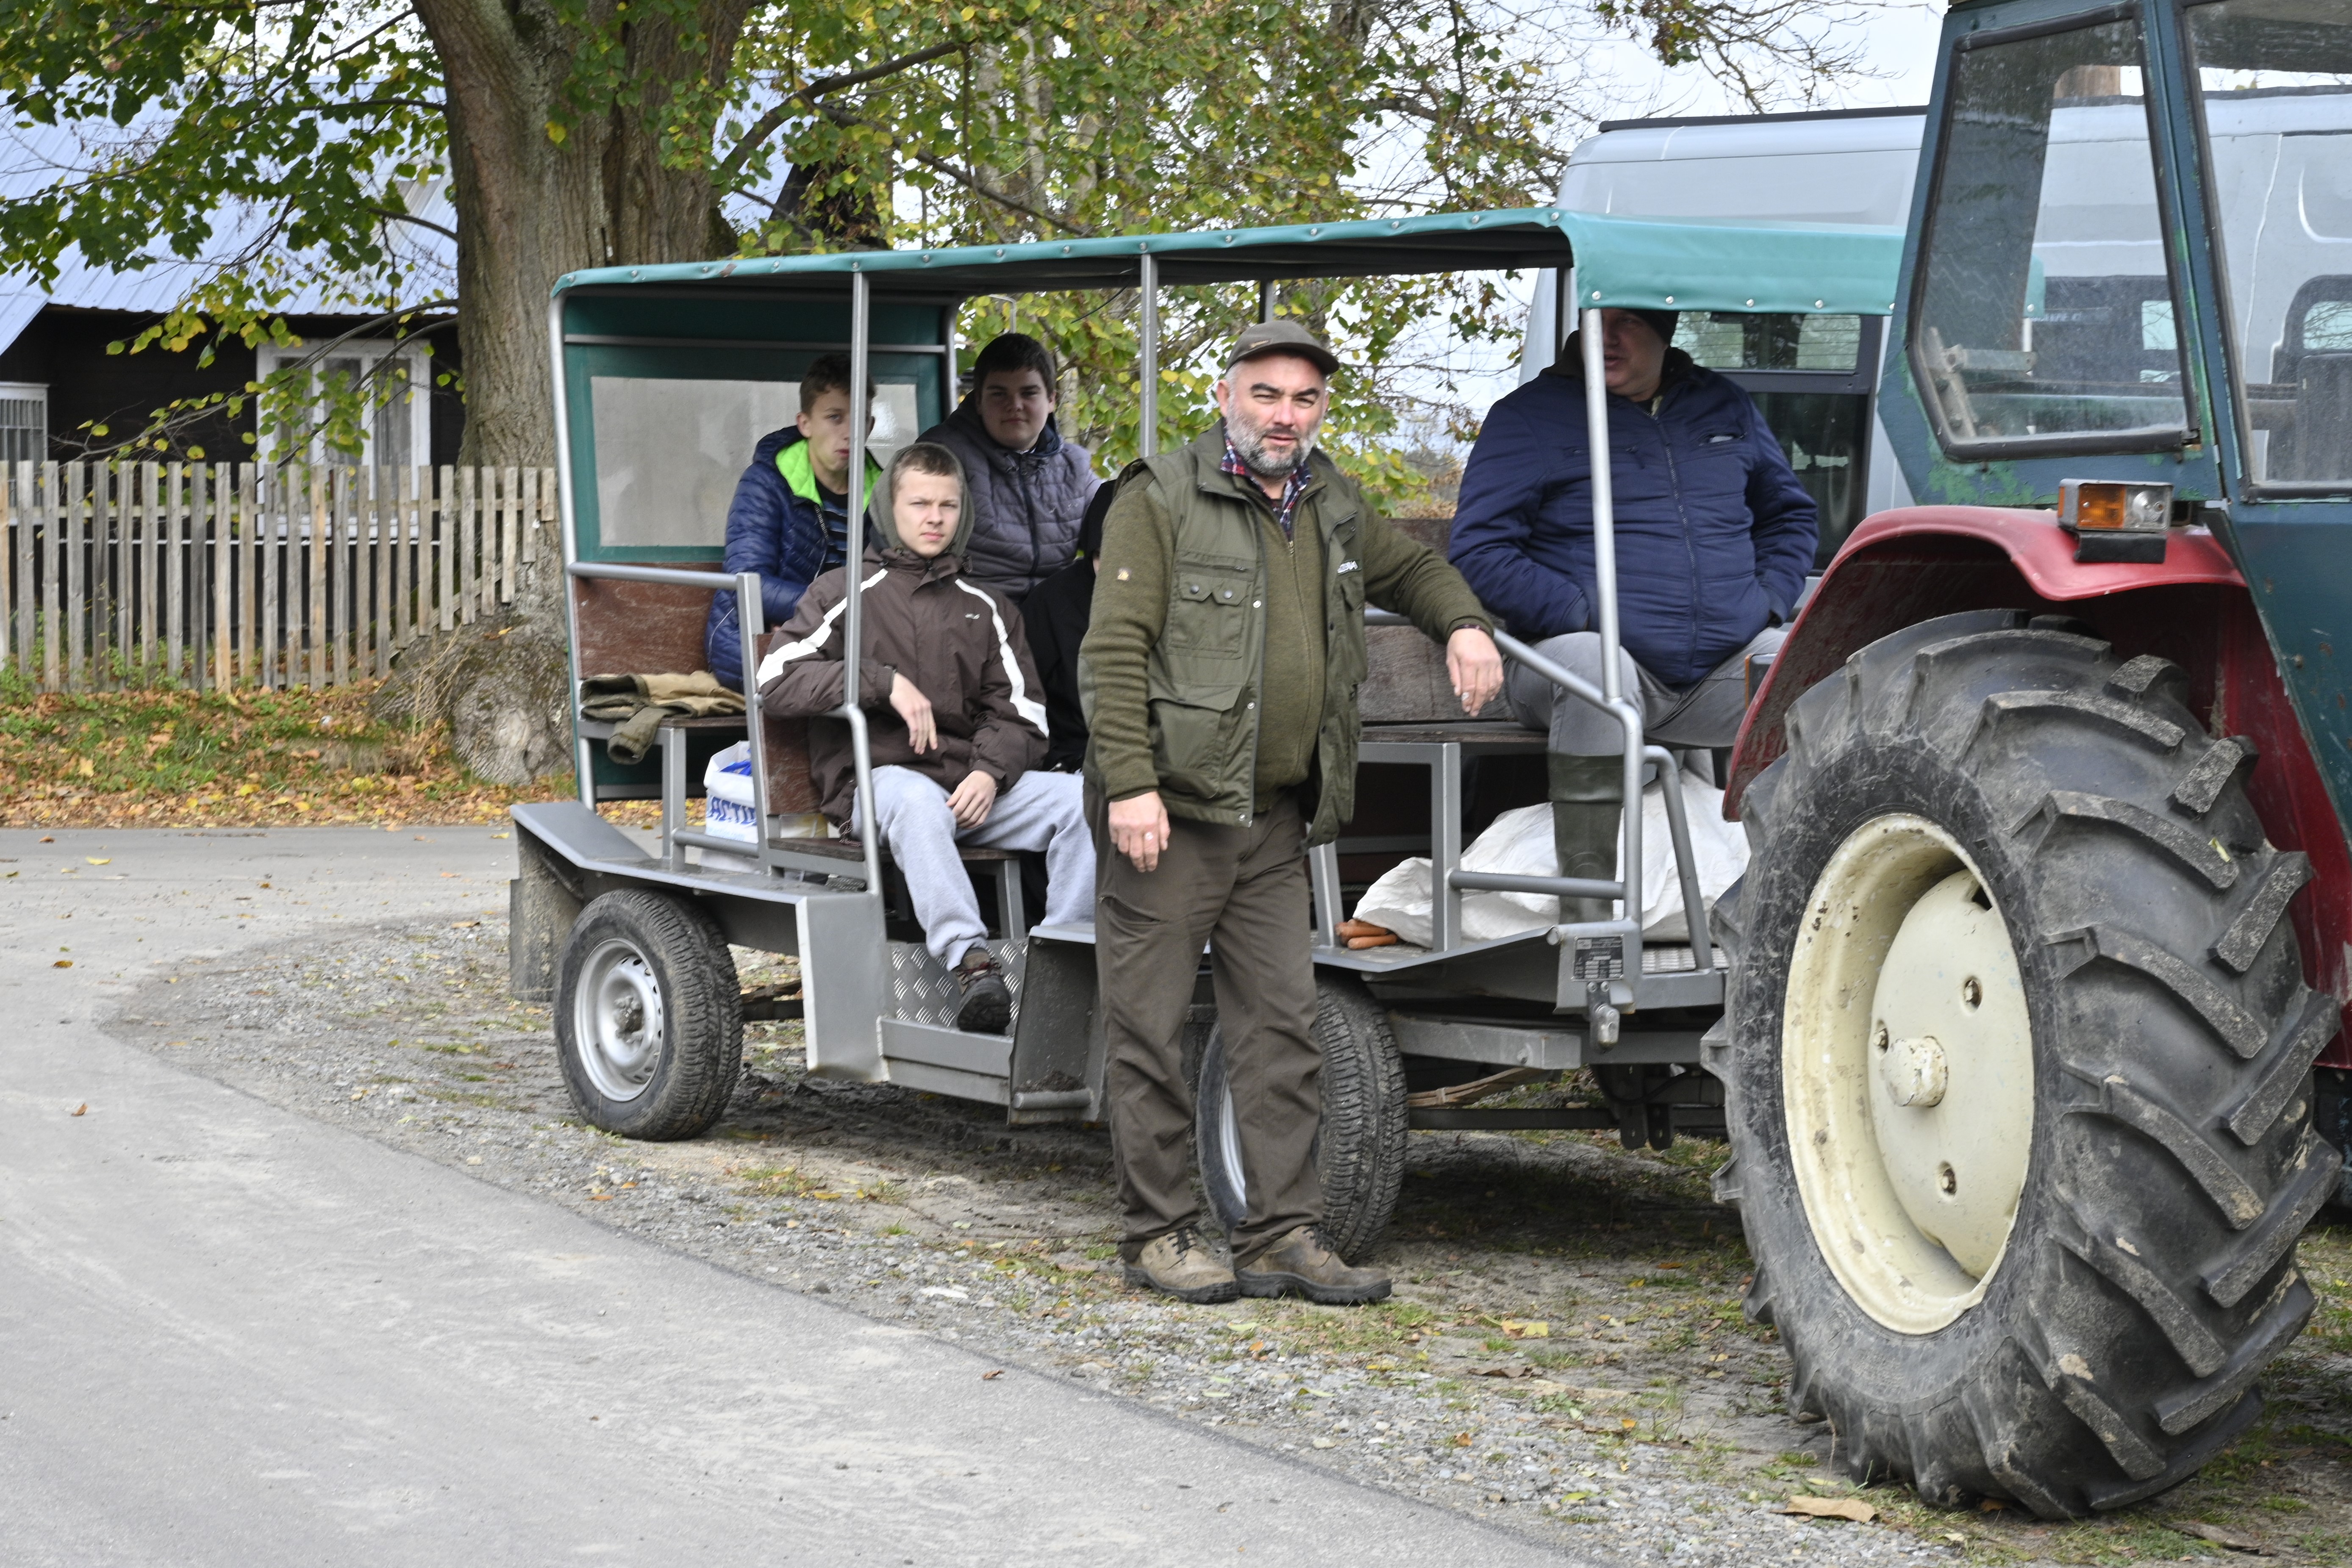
x,y
1219,677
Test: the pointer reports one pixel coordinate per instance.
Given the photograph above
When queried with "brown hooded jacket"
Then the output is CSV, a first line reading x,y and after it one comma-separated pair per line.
x,y
959,641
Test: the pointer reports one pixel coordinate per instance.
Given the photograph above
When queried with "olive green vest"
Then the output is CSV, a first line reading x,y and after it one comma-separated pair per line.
x,y
1204,676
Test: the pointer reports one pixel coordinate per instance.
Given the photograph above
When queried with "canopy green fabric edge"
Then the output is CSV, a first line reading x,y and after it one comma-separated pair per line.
x,y
1661,264
1638,263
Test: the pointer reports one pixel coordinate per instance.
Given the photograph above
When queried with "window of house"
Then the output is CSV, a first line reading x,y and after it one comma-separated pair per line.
x,y
2044,316
392,426
24,422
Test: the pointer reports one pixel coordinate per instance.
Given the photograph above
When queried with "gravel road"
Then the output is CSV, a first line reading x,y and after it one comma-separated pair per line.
x,y
1565,1353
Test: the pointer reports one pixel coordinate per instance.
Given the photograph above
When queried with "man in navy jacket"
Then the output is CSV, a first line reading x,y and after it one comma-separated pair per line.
x,y
1715,537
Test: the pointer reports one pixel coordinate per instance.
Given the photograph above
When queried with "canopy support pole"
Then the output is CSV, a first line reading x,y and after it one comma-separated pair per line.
x,y
1613,683
1148,405
860,309
861,386
1266,299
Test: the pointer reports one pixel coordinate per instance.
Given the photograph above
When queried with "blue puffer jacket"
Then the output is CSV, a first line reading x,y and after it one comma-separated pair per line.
x,y
776,526
1714,535
1030,502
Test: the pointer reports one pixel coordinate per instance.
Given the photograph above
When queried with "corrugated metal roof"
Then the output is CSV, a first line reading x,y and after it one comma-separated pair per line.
x,y
34,158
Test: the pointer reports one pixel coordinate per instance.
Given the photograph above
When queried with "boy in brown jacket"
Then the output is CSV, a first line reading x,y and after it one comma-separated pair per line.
x,y
956,722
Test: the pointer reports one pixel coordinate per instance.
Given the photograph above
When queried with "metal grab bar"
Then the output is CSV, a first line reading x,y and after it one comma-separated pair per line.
x,y
1548,887
676,576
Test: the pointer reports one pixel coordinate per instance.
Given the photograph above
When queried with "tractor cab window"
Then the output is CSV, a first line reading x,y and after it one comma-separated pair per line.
x,y
2274,86
2044,314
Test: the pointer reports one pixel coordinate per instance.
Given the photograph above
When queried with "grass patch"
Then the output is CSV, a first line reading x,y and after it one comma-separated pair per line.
x,y
179,758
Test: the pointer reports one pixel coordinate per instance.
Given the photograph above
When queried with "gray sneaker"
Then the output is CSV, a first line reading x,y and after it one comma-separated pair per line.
x,y
1182,1265
1302,1263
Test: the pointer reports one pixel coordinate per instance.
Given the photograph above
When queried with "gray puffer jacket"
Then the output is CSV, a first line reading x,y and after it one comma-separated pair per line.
x,y
1030,504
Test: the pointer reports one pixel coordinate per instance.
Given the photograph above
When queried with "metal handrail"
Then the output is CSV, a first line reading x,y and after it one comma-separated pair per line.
x,y
676,576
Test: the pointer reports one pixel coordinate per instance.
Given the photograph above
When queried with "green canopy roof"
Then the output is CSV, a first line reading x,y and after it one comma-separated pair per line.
x,y
1646,263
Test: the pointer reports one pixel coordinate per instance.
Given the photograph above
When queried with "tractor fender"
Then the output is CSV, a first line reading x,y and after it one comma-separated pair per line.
x,y
1908,565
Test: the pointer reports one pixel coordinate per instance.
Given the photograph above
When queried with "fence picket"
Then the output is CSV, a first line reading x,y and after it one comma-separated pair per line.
x,y
223,584
9,574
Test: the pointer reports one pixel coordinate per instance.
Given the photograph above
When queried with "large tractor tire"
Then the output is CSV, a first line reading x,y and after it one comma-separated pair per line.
x,y
2018,1069
648,1016
1359,1149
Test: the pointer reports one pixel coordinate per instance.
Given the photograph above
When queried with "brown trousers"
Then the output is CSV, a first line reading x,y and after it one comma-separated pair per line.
x,y
1242,891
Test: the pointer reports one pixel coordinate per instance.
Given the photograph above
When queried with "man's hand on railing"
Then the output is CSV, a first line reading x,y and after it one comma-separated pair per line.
x,y
1138,829
922,730
1476,667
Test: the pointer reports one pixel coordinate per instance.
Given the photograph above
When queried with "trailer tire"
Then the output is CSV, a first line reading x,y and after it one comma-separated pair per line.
x,y
2097,922
648,1016
1359,1149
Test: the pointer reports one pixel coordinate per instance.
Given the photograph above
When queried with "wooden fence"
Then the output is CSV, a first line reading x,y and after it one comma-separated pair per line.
x,y
131,575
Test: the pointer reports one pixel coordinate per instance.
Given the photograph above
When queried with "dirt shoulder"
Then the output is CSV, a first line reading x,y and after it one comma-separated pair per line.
x,y
1565,1353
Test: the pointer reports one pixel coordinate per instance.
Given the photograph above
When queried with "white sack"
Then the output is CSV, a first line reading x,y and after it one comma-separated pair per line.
x,y
1519,844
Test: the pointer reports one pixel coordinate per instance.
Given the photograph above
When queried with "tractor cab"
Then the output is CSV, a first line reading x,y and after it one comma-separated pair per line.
x,y
2033,1045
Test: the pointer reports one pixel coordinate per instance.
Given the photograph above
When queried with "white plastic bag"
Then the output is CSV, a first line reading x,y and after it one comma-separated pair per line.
x,y
728,782
1518,843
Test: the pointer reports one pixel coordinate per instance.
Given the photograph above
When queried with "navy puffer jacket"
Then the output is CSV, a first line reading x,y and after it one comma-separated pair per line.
x,y
776,526
1030,502
1714,535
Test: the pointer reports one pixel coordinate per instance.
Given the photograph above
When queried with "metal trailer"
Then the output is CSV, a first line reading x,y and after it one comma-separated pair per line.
x,y
631,946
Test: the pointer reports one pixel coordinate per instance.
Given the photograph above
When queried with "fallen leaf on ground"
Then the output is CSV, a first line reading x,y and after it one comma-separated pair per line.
x,y
461,925
986,1376
1850,1507
2229,1538
94,860
61,963
82,1110
1502,1371
1522,1331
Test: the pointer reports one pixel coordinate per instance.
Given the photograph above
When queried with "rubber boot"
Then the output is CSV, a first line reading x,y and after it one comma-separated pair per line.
x,y
1588,796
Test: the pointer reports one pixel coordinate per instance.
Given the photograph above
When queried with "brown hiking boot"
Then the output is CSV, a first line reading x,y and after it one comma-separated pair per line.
x,y
1302,1263
986,1006
1182,1265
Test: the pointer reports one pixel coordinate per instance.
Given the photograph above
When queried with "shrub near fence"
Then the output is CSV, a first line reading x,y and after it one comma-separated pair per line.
x,y
131,574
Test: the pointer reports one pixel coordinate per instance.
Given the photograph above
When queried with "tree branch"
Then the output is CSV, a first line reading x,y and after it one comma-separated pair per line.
x,y
769,123
412,217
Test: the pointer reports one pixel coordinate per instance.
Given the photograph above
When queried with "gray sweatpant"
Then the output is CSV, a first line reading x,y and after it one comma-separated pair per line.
x,y
1040,811
1705,714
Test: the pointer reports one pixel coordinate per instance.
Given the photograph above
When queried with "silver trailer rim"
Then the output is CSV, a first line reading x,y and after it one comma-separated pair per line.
x,y
617,1020
1907,1071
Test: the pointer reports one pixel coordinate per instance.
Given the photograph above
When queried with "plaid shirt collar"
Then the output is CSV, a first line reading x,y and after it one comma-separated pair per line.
x,y
1293,487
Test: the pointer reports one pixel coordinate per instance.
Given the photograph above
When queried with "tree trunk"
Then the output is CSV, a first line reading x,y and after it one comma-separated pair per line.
x,y
532,206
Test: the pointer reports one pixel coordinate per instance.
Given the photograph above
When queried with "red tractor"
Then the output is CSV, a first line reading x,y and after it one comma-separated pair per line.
x,y
2046,926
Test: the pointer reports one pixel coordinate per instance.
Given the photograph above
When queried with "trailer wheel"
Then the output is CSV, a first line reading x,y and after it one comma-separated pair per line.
x,y
1359,1151
2018,1069
648,1016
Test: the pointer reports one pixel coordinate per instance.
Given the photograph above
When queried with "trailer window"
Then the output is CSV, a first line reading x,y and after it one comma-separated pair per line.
x,y
2044,313
2274,83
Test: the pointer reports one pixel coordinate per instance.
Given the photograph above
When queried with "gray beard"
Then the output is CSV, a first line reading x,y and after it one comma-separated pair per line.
x,y
1251,446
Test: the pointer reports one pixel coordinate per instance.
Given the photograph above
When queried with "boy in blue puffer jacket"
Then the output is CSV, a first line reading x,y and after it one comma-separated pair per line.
x,y
789,519
1715,537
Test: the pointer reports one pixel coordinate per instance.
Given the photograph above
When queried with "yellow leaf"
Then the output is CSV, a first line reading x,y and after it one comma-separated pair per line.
x,y
1525,1331
94,860
86,768
61,963
1850,1507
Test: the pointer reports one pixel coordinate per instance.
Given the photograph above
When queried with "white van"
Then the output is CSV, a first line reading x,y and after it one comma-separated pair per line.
x,y
1814,378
